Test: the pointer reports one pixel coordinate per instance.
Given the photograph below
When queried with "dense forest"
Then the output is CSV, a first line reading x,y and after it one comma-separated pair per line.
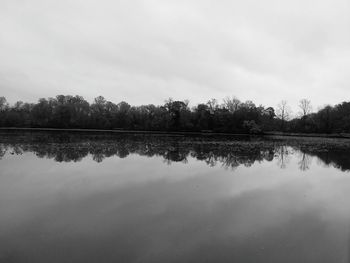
x,y
230,116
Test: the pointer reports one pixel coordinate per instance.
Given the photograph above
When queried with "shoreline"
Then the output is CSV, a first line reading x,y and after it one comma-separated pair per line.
x,y
180,133
117,131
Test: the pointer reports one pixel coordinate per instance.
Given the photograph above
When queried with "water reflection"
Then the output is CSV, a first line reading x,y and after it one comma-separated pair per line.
x,y
283,156
87,207
228,152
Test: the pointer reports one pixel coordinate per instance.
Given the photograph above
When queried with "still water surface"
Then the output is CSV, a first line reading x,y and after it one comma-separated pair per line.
x,y
83,198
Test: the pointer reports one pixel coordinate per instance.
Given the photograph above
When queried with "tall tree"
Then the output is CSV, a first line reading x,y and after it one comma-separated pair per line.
x,y
232,104
283,113
305,107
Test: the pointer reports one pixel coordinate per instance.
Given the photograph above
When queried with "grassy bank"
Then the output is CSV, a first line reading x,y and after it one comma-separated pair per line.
x,y
179,133
183,133
322,135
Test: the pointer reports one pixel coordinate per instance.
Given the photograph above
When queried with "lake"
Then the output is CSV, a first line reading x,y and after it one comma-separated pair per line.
x,y
96,197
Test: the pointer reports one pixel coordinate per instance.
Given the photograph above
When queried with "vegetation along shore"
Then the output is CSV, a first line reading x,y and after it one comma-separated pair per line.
x,y
231,116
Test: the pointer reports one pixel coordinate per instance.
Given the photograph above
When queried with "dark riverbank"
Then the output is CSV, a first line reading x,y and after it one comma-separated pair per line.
x,y
119,131
183,133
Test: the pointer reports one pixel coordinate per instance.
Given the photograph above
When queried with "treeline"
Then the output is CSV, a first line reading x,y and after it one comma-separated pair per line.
x,y
230,116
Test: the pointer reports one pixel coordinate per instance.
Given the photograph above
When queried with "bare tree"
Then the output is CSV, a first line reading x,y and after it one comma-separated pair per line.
x,y
232,104
283,112
212,105
305,106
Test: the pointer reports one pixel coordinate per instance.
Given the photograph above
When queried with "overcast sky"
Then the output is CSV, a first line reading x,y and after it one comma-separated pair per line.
x,y
146,51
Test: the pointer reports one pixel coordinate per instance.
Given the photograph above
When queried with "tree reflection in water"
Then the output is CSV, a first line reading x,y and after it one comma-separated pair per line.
x,y
304,161
226,151
283,156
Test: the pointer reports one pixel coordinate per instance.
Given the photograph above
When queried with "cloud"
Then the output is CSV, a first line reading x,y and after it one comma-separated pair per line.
x,y
146,51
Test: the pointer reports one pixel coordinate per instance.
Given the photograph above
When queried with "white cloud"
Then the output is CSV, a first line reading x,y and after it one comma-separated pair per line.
x,y
146,51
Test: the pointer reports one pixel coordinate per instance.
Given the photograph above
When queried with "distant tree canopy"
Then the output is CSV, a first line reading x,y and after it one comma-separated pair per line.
x,y
232,116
